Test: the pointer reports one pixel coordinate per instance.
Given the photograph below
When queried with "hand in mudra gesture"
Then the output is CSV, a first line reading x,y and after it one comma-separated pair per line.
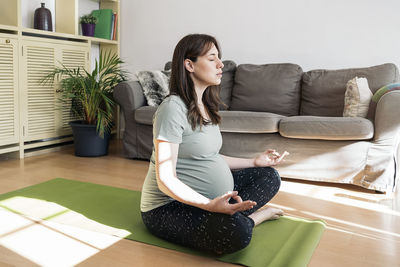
x,y
221,204
269,158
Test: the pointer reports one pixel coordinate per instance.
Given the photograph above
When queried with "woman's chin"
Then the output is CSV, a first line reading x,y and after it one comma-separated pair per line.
x,y
217,82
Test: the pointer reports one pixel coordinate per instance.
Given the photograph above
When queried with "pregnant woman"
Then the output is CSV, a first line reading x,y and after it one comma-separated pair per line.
x,y
192,195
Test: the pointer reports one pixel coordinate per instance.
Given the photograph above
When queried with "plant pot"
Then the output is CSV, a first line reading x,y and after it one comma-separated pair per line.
x,y
87,141
88,29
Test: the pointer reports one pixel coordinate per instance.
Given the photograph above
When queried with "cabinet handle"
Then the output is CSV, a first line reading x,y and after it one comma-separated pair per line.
x,y
8,41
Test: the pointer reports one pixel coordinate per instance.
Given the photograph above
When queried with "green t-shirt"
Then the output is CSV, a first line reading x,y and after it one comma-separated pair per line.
x,y
199,164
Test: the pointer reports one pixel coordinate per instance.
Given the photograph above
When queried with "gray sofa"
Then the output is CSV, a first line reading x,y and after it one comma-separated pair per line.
x,y
280,106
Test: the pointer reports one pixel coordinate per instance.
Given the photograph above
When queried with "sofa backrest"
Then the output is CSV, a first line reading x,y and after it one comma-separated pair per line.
x,y
271,88
322,91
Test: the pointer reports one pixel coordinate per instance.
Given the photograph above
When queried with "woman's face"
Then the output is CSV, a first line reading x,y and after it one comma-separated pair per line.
x,y
207,70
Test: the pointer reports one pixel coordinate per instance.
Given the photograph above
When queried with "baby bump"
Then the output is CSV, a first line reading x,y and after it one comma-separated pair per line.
x,y
210,177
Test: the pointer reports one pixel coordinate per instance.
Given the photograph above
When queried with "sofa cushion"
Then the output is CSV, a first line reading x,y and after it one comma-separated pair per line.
x,y
326,128
227,81
249,122
155,85
357,98
144,115
323,90
271,88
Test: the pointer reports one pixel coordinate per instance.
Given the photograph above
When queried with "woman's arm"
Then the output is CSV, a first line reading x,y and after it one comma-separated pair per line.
x,y
268,158
238,163
169,184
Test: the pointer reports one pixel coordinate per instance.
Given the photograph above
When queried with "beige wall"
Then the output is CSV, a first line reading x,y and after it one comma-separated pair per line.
x,y
311,33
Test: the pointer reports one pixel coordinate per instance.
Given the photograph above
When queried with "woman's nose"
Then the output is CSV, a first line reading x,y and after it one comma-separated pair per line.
x,y
221,65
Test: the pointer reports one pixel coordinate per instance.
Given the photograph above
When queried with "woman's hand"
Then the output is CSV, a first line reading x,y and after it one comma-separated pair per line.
x,y
221,204
269,158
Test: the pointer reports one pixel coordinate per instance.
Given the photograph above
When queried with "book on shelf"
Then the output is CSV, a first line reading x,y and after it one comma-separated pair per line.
x,y
104,23
114,36
112,27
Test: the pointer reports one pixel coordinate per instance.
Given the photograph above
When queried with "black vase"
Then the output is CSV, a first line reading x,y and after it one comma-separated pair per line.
x,y
42,19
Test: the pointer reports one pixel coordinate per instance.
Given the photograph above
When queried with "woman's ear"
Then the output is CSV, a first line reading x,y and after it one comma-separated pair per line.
x,y
189,65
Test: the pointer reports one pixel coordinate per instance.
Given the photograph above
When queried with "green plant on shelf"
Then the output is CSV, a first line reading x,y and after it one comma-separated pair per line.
x,y
88,19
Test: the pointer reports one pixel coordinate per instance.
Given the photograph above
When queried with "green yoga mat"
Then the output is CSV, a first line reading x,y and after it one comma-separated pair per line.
x,y
285,242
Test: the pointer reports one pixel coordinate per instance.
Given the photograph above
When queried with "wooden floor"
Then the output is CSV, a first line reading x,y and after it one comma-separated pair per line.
x,y
363,228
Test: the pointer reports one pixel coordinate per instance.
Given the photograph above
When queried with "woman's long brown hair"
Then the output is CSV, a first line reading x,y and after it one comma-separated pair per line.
x,y
181,84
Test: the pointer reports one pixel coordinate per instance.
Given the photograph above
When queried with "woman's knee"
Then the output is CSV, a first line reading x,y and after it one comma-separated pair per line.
x,y
271,176
276,177
240,235
241,242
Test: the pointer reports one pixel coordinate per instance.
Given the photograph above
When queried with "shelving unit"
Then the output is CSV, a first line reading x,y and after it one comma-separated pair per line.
x,y
10,13
29,113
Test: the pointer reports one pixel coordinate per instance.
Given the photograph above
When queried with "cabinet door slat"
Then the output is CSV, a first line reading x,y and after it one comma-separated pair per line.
x,y
40,97
8,93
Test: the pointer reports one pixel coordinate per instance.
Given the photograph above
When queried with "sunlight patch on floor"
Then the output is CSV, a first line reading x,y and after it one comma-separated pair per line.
x,y
41,209
375,238
10,221
32,207
66,239
48,243
357,225
341,196
342,225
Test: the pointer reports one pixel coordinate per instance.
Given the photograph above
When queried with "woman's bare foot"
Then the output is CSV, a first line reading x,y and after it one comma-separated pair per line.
x,y
265,214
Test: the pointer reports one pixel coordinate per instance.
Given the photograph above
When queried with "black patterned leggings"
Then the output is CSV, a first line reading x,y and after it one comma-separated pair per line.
x,y
215,232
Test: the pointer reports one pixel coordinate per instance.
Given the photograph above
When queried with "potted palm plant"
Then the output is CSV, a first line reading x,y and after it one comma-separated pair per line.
x,y
89,95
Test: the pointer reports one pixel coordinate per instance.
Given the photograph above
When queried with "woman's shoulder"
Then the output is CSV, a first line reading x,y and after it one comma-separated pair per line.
x,y
172,109
173,101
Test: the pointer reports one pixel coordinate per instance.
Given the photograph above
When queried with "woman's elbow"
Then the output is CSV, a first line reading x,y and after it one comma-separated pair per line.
x,y
161,185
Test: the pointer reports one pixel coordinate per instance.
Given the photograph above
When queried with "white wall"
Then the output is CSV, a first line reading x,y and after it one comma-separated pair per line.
x,y
312,33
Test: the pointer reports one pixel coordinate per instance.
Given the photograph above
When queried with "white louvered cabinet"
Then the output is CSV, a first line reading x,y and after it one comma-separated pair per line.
x,y
71,58
9,123
44,116
38,101
30,114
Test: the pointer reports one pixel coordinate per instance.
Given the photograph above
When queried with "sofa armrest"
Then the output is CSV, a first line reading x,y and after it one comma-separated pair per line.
x,y
129,95
387,117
